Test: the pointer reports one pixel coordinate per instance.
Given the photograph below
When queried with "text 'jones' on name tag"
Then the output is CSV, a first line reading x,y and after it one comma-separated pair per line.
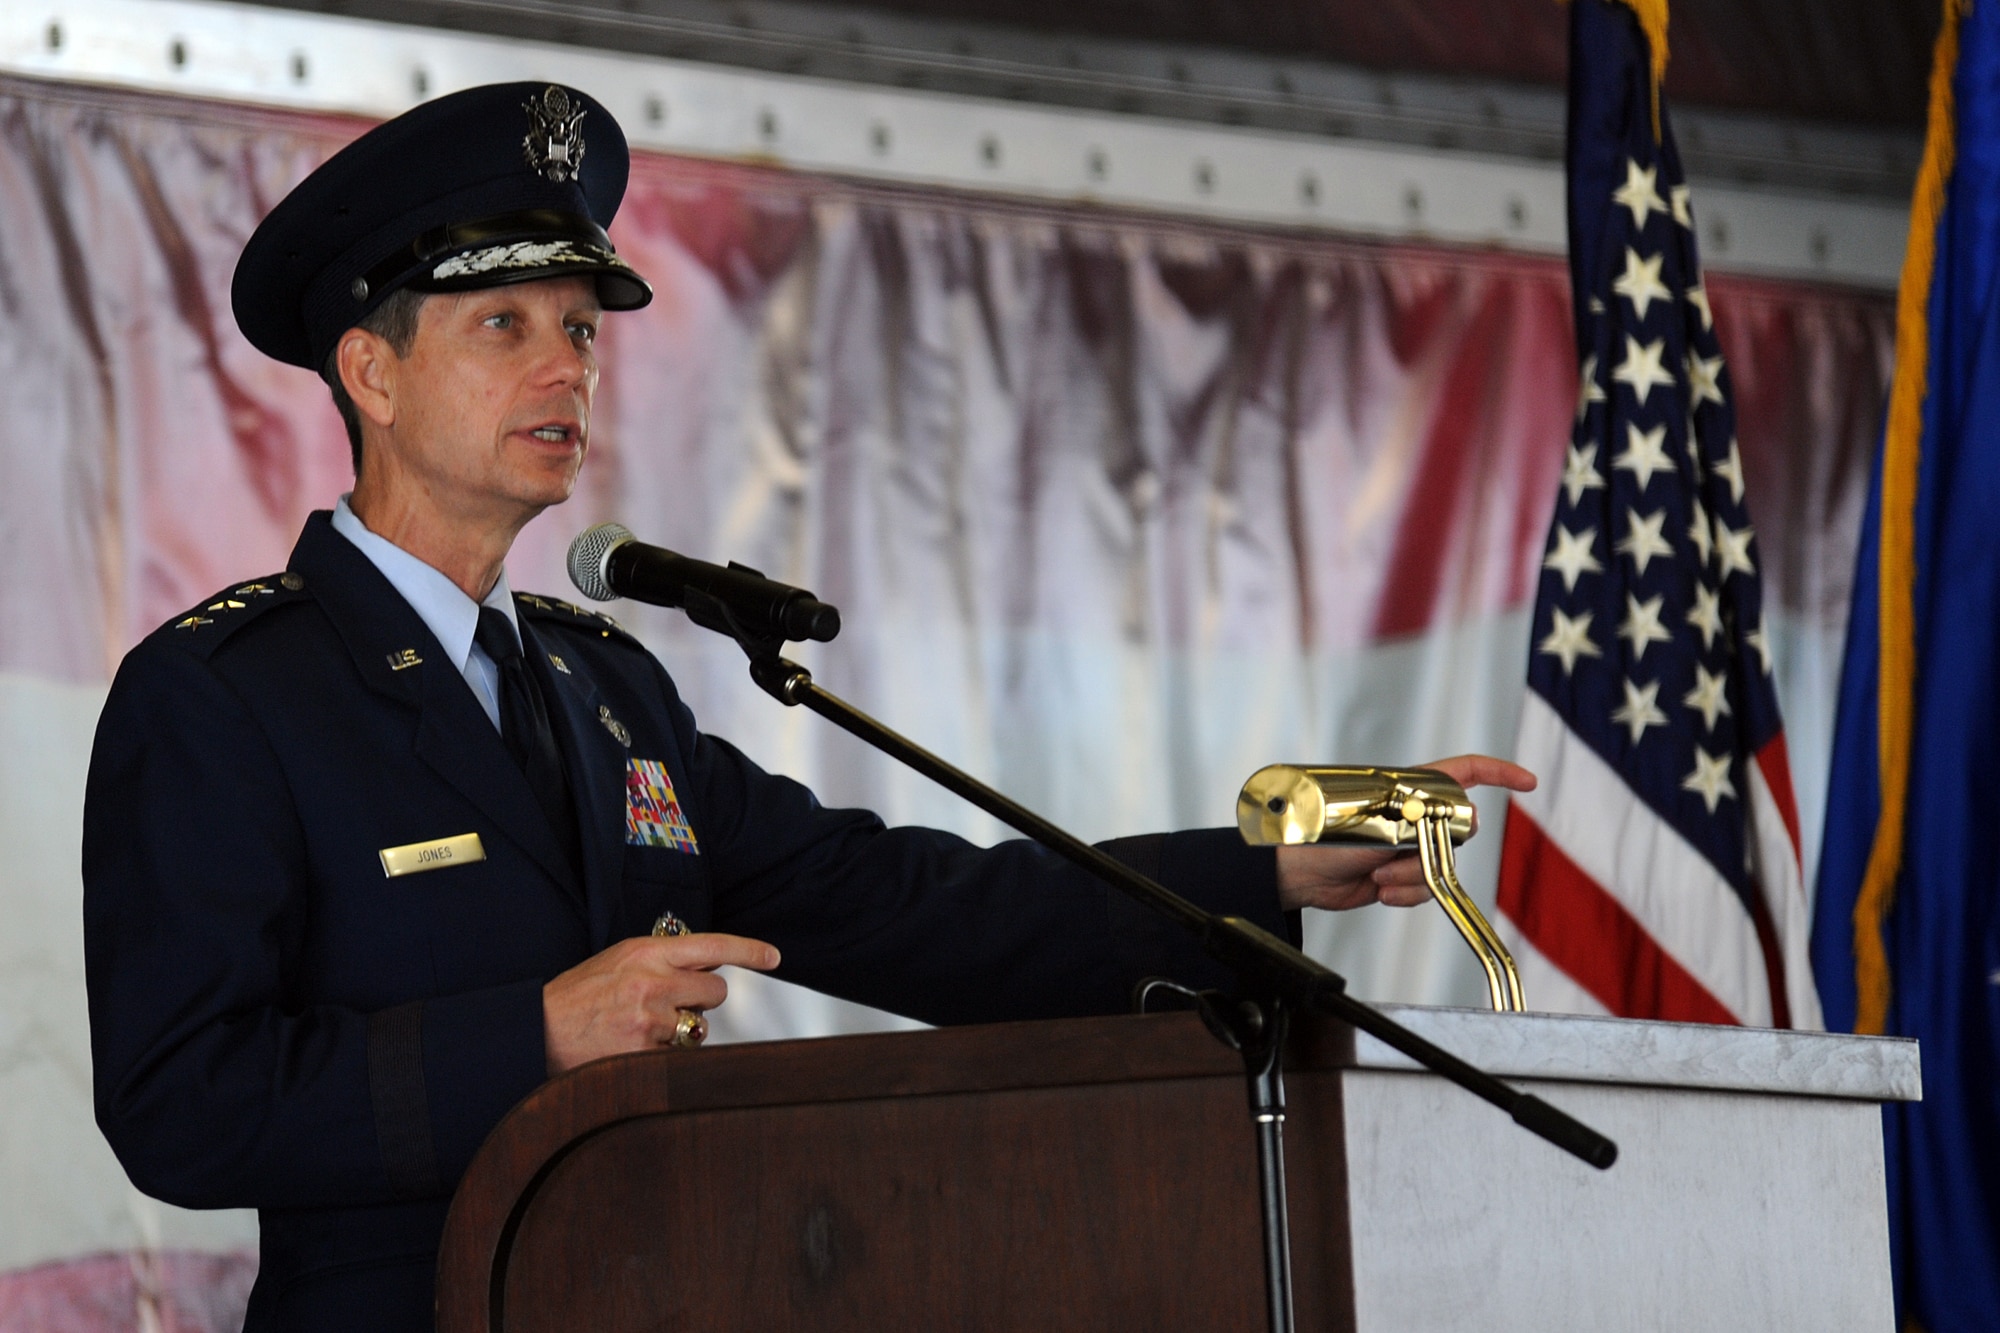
x,y
436,855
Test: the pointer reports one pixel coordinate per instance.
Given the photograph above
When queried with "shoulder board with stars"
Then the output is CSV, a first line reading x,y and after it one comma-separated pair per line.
x,y
557,611
202,628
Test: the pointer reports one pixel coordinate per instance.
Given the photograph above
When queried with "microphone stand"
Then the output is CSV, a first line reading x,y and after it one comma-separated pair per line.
x,y
1279,976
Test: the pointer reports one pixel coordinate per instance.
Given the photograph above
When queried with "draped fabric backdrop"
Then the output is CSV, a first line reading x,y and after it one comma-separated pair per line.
x,y
1116,510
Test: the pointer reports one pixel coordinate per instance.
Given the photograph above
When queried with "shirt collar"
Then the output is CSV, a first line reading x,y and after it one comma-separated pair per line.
x,y
442,605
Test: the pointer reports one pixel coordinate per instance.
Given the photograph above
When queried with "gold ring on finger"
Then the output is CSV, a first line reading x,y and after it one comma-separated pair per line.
x,y
690,1031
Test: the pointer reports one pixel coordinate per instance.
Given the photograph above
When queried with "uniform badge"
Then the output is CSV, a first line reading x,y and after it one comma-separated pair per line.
x,y
554,146
653,816
417,856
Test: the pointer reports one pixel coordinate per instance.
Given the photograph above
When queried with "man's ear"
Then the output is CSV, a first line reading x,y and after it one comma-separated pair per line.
x,y
368,365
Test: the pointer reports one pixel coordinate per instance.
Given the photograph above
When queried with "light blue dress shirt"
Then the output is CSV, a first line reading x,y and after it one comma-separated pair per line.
x,y
442,605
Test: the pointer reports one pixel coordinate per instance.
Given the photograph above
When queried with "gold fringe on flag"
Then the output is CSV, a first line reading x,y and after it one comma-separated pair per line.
x,y
1653,22
1896,575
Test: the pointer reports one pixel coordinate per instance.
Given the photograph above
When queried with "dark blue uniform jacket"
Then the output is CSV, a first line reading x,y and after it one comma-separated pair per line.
x,y
277,1024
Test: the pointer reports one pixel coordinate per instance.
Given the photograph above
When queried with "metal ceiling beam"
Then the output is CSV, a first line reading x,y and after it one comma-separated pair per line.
x,y
1215,85
1381,186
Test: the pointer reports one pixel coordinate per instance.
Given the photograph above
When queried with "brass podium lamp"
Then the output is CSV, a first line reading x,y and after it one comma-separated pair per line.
x,y
1288,804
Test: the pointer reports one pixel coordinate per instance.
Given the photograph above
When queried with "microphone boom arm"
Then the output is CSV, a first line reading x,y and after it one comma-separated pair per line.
x,y
1248,949
762,615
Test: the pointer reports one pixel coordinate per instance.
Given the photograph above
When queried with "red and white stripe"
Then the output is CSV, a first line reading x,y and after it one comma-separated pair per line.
x,y
1776,863
1601,898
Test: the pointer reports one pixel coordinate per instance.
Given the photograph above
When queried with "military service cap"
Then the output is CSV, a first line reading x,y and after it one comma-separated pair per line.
x,y
505,183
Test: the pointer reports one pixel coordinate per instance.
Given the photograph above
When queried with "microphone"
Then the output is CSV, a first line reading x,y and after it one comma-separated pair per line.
x,y
607,562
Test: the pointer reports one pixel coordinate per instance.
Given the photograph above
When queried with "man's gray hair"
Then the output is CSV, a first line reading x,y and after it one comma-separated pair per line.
x,y
395,322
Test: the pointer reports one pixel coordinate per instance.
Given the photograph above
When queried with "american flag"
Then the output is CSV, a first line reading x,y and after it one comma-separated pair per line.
x,y
1655,873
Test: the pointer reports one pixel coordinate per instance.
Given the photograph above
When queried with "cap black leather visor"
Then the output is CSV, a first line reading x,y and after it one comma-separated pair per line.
x,y
514,247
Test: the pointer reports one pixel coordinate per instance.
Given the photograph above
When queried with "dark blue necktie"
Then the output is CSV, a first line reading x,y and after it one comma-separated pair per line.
x,y
524,727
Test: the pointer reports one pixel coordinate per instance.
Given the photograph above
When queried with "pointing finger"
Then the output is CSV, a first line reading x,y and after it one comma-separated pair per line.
x,y
1482,770
705,951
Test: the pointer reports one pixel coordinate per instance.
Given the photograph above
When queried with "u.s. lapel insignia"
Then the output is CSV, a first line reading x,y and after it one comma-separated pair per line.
x,y
554,146
653,816
559,664
404,660
619,731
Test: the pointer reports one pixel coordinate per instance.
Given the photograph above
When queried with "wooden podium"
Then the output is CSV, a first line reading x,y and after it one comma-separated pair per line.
x,y
1101,1174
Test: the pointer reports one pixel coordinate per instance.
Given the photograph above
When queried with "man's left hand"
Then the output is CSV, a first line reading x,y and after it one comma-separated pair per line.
x,y
1339,877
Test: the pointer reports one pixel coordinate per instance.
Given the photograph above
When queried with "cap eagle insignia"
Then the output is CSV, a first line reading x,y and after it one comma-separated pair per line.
x,y
554,146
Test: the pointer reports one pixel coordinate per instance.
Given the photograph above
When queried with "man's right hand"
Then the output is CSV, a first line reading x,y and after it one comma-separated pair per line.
x,y
629,997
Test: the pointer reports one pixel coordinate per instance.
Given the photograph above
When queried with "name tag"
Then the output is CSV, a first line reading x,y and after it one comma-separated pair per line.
x,y
408,860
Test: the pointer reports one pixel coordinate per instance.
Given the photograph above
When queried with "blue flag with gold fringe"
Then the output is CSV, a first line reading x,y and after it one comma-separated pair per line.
x,y
1906,930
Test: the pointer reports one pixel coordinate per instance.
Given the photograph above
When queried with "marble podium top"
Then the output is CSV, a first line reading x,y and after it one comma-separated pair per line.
x,y
1679,1055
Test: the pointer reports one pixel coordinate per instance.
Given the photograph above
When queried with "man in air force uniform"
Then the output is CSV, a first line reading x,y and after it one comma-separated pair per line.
x,y
374,845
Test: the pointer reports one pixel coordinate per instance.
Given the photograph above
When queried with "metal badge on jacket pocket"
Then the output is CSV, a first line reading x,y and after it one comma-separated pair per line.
x,y
653,816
